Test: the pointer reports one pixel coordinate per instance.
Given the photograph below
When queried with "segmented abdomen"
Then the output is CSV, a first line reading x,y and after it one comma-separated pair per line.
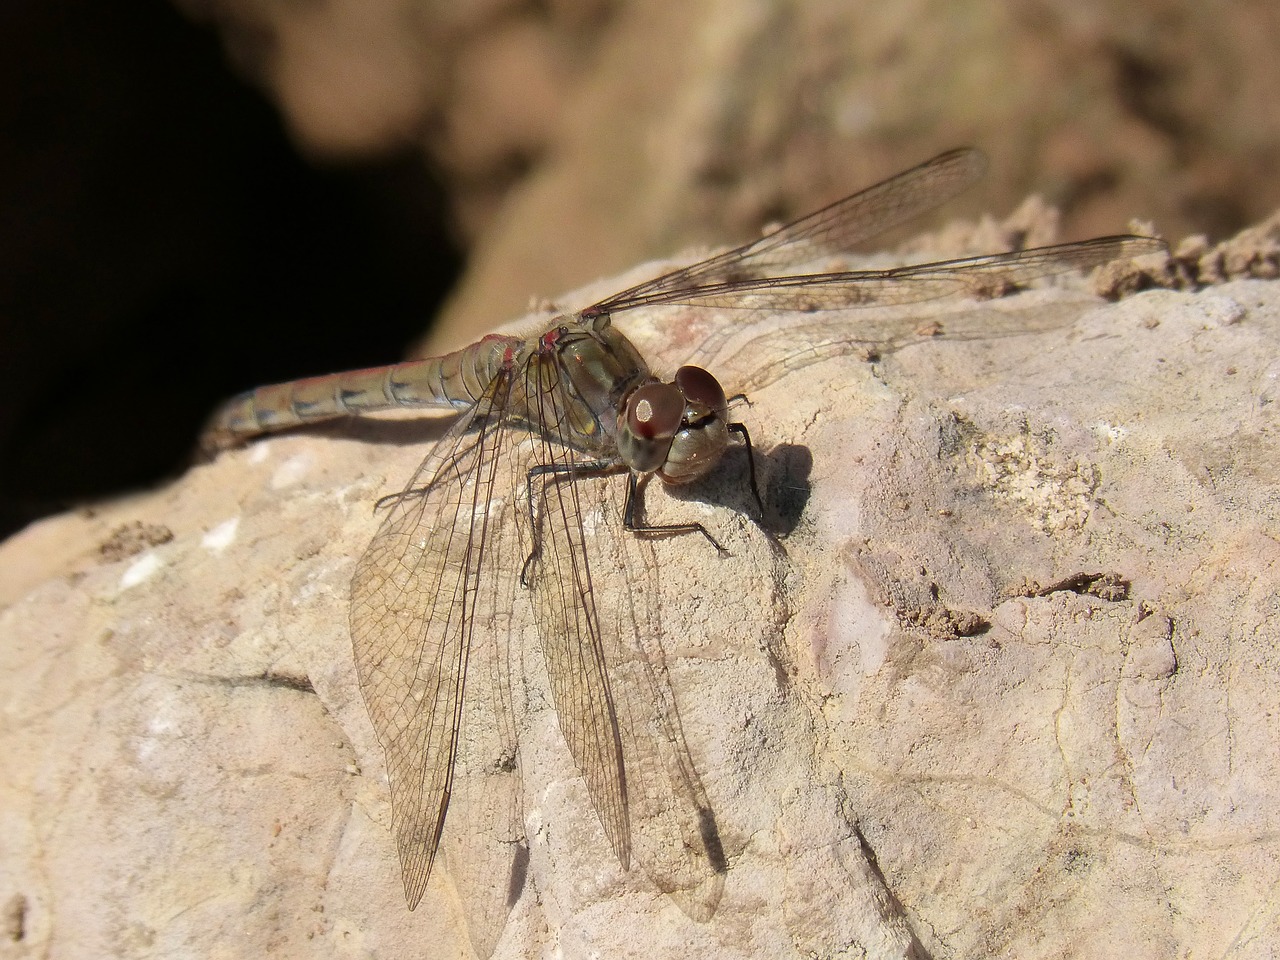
x,y
453,381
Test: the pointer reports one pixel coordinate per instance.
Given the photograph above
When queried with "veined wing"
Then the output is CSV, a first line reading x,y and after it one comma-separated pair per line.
x,y
674,832
566,613
616,711
423,602
835,228
981,276
798,345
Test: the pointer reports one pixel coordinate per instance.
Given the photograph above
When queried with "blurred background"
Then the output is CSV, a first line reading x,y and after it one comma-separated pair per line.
x,y
199,196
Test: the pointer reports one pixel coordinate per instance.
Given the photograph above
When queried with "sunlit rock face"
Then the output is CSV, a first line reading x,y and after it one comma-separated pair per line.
x,y
993,674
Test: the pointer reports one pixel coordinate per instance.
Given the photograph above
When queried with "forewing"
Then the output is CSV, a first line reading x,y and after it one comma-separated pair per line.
x,y
838,227
981,276
609,682
568,622
420,594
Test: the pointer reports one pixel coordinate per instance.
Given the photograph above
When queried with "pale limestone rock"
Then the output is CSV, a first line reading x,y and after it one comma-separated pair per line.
x,y
930,727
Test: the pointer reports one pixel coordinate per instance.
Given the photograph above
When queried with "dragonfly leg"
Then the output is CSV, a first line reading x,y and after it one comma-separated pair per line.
x,y
741,430
633,507
567,471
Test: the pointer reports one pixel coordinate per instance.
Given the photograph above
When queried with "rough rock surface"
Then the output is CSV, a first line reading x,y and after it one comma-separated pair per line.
x,y
1008,688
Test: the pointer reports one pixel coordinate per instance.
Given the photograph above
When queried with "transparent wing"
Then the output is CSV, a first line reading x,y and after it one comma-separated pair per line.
x,y
835,228
799,345
674,832
979,278
424,597
568,622
982,276
441,579
616,709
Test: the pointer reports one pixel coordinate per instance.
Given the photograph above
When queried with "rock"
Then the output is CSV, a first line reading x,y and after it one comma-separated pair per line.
x,y
994,675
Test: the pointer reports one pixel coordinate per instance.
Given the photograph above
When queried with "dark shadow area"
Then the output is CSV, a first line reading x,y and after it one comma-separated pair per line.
x,y
519,874
782,474
165,247
895,906
787,487
710,834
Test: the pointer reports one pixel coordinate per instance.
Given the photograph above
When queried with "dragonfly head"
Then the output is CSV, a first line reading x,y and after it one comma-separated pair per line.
x,y
678,430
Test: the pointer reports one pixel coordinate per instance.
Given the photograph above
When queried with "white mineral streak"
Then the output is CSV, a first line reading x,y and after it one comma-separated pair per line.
x,y
221,536
141,570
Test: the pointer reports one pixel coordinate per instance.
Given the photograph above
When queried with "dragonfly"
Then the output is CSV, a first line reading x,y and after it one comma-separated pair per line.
x,y
494,510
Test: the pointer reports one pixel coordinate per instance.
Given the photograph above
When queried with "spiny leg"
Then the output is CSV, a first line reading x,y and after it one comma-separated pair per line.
x,y
741,430
635,503
568,471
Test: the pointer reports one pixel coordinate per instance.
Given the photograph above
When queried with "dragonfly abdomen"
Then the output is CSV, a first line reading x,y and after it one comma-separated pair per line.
x,y
454,381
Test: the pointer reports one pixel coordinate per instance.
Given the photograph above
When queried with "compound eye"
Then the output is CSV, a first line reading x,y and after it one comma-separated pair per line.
x,y
699,386
655,411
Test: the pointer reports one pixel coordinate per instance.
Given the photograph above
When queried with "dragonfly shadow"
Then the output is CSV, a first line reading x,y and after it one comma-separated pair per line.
x,y
786,487
710,833
400,432
519,874
783,476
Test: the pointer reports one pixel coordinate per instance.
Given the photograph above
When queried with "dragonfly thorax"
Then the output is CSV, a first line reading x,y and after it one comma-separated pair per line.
x,y
678,430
